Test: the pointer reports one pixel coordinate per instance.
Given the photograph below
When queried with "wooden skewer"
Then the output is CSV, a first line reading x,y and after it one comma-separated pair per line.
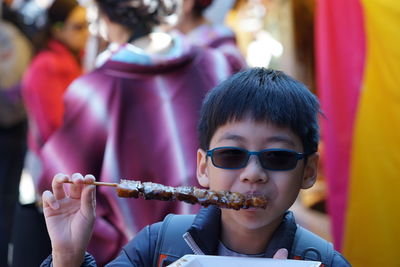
x,y
98,183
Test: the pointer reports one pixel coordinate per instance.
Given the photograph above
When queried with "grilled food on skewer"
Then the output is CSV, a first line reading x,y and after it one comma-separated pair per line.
x,y
188,194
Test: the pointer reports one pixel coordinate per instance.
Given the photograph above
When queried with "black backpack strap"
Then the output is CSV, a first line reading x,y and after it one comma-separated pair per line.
x,y
170,243
309,246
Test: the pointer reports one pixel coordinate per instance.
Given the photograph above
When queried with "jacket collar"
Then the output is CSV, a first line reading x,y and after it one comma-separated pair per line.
x,y
132,56
283,236
61,49
208,224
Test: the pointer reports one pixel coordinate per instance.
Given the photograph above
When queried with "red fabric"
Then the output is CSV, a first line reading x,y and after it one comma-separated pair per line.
x,y
44,84
340,42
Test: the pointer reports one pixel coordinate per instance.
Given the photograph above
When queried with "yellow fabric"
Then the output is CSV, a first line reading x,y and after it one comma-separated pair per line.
x,y
372,233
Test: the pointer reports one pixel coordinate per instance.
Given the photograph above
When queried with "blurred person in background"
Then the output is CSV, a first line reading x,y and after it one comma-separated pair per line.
x,y
57,62
55,66
200,31
15,55
134,117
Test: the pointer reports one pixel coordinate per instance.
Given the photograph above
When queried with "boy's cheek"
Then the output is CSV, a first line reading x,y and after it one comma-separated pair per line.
x,y
203,181
221,181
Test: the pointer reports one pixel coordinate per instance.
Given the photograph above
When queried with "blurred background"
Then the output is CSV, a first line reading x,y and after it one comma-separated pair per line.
x,y
345,51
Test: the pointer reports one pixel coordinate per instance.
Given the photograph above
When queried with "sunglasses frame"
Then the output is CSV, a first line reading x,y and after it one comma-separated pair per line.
x,y
299,156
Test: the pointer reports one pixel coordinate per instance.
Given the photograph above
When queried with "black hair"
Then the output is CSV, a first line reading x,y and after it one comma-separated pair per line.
x,y
140,16
57,14
264,95
60,10
200,6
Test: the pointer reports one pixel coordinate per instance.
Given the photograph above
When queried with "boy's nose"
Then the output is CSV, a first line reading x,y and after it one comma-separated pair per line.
x,y
254,172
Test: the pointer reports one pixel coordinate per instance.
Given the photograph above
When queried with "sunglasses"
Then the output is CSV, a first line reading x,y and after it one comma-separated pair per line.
x,y
270,159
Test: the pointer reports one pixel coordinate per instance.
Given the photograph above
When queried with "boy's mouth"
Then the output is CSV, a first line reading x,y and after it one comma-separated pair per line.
x,y
255,194
258,200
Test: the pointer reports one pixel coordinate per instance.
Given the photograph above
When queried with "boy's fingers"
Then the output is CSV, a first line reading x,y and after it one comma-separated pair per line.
x,y
58,185
88,201
89,178
76,188
89,196
282,254
49,200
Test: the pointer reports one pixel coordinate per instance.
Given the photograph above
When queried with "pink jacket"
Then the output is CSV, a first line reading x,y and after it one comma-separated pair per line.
x,y
43,87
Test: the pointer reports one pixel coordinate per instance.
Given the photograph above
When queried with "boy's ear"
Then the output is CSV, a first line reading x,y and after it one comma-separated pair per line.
x,y
202,172
310,171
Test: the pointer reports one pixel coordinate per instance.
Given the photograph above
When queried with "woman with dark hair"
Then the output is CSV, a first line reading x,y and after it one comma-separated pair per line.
x,y
202,32
56,65
134,117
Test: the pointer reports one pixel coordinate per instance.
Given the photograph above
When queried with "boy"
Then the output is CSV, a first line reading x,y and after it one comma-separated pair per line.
x,y
258,136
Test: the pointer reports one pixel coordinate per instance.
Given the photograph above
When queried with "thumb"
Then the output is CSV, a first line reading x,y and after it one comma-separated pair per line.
x,y
281,254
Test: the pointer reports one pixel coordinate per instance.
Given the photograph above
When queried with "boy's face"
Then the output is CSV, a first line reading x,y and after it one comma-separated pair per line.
x,y
279,187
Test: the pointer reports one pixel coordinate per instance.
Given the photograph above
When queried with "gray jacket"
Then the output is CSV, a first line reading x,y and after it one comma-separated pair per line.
x,y
142,249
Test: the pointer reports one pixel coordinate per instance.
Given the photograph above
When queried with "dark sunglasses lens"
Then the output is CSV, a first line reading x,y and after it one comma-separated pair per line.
x,y
278,160
229,158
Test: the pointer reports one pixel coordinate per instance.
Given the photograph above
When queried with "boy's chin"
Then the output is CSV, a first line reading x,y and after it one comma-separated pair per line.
x,y
252,218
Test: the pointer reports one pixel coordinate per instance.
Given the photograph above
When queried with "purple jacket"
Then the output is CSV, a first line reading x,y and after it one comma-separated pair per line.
x,y
133,121
219,36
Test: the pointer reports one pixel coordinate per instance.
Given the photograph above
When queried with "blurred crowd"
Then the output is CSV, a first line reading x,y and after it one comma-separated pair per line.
x,y
112,88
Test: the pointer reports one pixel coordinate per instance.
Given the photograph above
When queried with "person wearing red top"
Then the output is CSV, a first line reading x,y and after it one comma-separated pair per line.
x,y
53,69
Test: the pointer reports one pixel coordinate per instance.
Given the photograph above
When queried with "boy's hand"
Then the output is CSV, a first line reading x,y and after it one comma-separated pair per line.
x,y
70,218
281,254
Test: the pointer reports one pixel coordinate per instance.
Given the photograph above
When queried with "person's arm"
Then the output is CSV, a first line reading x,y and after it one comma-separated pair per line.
x,y
88,261
12,109
70,218
139,252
